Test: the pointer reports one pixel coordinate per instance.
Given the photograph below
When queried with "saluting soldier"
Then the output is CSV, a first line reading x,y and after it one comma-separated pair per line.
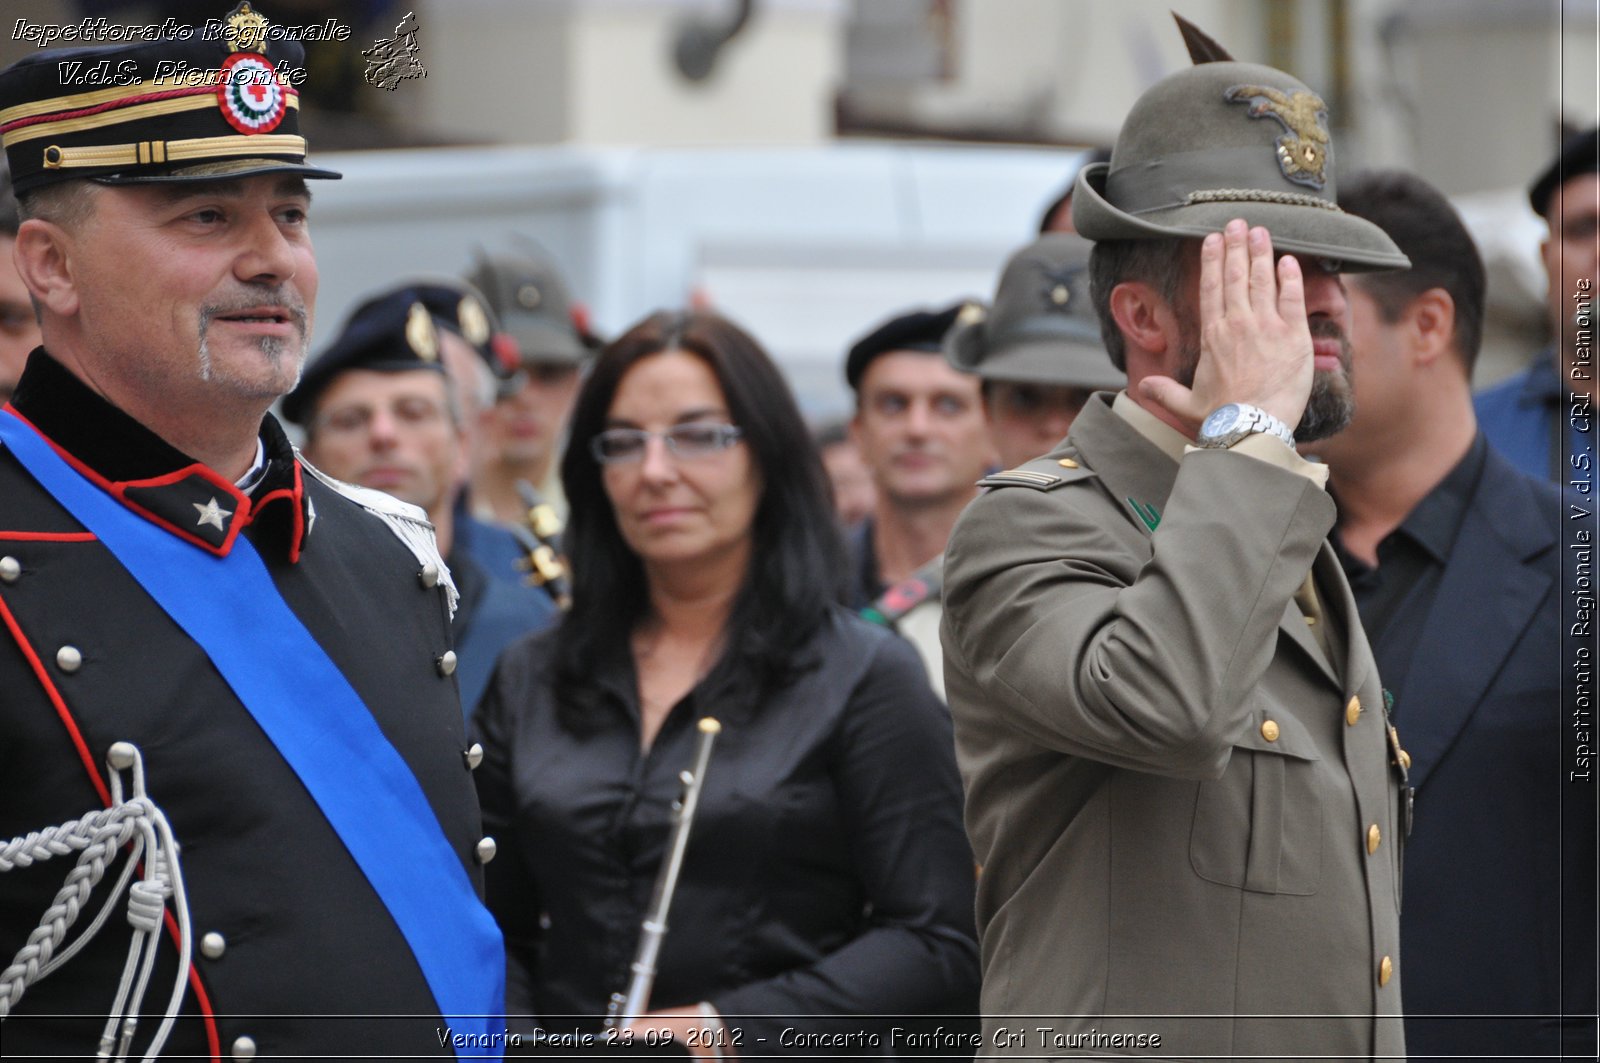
x,y
196,619
1181,784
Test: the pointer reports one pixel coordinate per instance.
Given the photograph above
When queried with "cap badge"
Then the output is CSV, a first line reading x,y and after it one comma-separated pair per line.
x,y
249,93
474,322
420,334
528,296
971,314
1303,148
1059,285
246,29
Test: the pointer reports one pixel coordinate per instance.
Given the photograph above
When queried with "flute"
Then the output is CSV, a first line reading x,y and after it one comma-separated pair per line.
x,y
624,1008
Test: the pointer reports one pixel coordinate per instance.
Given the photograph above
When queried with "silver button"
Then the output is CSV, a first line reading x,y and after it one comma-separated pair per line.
x,y
473,756
244,1048
10,569
447,663
429,575
486,848
69,659
213,945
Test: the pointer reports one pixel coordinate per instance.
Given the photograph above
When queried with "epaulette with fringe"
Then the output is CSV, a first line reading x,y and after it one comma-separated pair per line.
x,y
409,523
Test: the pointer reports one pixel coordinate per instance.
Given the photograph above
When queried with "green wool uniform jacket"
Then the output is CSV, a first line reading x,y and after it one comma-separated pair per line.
x,y
1189,817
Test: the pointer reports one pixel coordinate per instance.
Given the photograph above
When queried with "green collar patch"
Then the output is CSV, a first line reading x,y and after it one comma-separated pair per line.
x,y
1145,512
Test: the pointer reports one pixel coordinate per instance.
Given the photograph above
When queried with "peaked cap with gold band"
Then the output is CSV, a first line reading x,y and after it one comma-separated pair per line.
x,y
191,109
1225,140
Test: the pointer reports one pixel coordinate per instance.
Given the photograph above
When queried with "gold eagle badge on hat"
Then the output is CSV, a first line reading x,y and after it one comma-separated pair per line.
x,y
420,333
473,320
246,30
1303,148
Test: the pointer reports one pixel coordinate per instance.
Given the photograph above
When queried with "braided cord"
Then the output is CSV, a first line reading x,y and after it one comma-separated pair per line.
x,y
97,838
1259,195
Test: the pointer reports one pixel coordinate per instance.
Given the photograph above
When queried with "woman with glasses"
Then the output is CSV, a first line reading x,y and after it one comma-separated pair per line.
x,y
828,883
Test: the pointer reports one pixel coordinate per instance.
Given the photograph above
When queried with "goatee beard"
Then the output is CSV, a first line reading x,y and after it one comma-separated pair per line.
x,y
1331,404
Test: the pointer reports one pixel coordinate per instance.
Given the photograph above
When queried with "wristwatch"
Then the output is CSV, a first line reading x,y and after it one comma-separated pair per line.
x,y
1231,423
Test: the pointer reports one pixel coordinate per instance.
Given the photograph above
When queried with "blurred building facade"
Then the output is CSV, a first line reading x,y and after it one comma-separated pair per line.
x,y
1469,93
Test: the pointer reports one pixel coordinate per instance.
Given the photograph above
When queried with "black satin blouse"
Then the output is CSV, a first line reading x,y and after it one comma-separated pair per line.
x,y
828,883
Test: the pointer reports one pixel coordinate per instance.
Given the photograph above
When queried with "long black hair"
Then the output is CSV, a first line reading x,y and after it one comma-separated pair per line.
x,y
797,559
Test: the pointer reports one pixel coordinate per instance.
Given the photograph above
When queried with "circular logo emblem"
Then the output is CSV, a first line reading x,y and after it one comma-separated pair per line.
x,y
249,93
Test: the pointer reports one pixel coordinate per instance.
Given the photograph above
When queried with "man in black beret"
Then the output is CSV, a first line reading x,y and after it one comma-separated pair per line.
x,y
919,427
382,409
1543,418
210,650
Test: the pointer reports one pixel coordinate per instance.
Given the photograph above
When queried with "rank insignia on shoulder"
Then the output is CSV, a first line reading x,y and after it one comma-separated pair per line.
x,y
1038,480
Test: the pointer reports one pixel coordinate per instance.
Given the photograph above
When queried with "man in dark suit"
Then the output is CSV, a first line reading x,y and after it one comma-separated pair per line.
x,y
206,648
1454,558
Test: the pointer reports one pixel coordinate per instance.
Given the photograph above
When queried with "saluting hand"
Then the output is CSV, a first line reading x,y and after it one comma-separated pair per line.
x,y
1255,341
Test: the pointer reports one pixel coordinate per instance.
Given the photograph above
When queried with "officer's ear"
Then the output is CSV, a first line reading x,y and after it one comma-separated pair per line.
x,y
1430,320
45,258
1146,321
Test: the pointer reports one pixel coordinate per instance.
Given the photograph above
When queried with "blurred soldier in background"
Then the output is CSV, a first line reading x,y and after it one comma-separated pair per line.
x,y
1543,418
919,426
527,426
483,364
1037,349
381,410
1454,559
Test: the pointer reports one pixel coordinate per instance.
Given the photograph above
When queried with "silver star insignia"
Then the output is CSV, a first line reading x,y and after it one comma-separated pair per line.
x,y
211,514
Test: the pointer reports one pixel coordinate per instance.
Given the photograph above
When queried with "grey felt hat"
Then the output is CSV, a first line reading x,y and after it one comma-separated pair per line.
x,y
1042,328
1226,140
528,292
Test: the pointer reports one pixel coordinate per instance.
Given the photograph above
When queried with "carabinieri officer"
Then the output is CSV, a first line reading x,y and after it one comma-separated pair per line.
x,y
248,664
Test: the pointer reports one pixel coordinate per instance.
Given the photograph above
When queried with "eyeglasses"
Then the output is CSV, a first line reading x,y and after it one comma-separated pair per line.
x,y
408,412
697,439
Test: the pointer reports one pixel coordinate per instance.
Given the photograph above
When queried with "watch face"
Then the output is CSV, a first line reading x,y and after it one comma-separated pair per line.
x,y
1221,420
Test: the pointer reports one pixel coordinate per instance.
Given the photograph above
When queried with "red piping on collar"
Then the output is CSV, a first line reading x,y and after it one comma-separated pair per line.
x,y
117,488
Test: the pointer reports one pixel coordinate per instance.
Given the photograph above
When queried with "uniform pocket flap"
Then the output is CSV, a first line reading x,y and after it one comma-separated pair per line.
x,y
1280,733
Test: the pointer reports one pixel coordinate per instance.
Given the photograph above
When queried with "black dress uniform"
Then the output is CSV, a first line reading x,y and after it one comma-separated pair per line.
x,y
286,926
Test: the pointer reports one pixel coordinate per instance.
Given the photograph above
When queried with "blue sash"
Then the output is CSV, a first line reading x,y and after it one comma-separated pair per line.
x,y
232,610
